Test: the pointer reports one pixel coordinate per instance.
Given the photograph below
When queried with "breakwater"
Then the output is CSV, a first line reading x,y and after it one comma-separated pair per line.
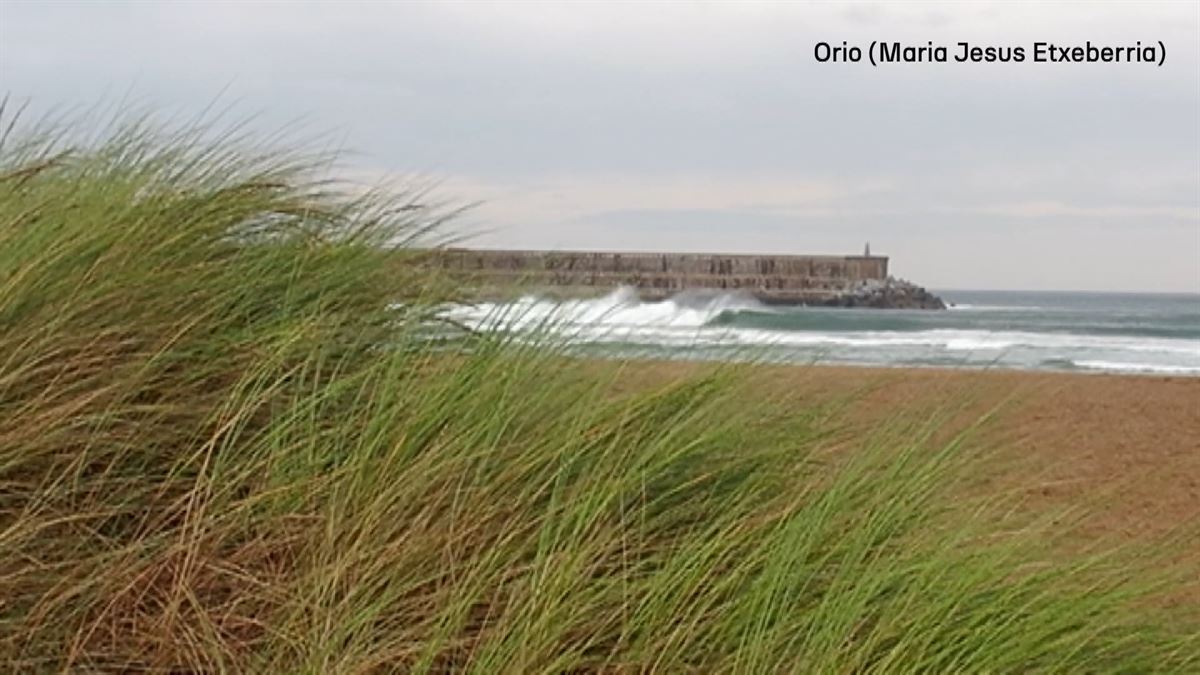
x,y
825,280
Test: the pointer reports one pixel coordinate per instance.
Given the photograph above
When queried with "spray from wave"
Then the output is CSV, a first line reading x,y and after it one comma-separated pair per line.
x,y
620,309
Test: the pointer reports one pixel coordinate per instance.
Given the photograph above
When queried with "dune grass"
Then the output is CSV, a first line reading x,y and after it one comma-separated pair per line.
x,y
227,445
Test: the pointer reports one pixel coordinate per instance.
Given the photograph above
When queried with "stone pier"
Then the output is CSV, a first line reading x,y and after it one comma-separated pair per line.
x,y
856,280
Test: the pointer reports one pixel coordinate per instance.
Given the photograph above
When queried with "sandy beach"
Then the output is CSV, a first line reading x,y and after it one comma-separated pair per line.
x,y
1125,447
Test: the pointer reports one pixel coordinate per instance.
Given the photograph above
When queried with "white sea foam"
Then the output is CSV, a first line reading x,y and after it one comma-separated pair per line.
x,y
1119,366
993,308
956,340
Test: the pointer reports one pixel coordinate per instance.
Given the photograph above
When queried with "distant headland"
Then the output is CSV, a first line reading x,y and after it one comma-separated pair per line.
x,y
818,280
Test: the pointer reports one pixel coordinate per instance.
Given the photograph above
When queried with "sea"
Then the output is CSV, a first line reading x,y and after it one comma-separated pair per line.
x,y
1153,334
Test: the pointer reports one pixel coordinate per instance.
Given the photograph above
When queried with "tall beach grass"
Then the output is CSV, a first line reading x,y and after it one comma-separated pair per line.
x,y
228,445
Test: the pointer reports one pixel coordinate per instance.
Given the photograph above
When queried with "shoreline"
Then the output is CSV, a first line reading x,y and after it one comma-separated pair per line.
x,y
1087,372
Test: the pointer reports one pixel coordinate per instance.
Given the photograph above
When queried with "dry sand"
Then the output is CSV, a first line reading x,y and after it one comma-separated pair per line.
x,y
1124,449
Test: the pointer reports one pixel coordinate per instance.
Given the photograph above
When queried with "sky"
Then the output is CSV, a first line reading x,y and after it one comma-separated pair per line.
x,y
699,126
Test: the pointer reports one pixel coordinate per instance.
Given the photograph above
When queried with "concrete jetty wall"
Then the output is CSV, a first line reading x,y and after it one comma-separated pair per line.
x,y
771,278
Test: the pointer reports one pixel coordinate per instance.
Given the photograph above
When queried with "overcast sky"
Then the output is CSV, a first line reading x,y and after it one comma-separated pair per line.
x,y
703,126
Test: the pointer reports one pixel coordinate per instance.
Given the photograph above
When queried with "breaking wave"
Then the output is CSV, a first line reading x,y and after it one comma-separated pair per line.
x,y
619,309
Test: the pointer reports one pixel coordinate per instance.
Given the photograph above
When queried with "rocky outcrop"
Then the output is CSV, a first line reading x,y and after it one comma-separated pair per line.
x,y
888,294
